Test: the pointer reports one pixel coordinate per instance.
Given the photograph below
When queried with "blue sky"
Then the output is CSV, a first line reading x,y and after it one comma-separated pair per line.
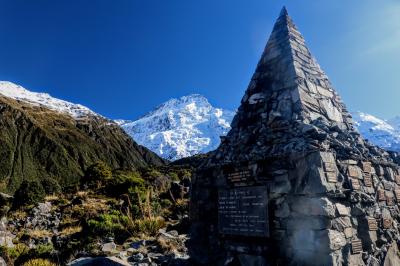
x,y
122,58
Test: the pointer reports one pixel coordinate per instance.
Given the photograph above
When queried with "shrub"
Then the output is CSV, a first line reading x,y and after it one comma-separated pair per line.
x,y
43,250
113,223
39,262
96,174
174,176
122,181
11,254
30,192
145,203
148,226
51,186
153,173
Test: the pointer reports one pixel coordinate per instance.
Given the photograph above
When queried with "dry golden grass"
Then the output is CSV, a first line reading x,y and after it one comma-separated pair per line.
x,y
39,262
19,214
70,230
68,221
51,198
82,194
39,233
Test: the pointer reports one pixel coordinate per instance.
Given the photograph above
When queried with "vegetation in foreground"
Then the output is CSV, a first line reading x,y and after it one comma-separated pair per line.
x,y
108,212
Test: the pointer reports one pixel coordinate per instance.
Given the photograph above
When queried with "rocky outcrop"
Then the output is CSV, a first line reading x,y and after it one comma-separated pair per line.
x,y
293,182
37,143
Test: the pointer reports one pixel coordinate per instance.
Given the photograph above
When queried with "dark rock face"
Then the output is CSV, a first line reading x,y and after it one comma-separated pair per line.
x,y
37,143
293,183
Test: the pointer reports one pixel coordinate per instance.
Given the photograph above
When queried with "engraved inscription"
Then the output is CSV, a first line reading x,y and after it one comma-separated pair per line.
x,y
355,184
381,195
397,194
356,246
243,211
239,176
397,179
367,180
329,167
353,171
331,177
367,167
389,200
372,224
387,223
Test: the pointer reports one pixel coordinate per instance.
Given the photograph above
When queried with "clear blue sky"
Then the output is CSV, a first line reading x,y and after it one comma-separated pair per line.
x,y
122,58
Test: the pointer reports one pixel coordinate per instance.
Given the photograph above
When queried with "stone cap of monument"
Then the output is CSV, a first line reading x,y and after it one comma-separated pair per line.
x,y
289,106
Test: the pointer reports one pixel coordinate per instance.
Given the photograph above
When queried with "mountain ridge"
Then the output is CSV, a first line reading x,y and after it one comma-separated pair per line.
x,y
37,142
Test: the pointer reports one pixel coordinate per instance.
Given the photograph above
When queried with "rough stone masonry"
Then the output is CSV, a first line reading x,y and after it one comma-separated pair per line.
x,y
294,183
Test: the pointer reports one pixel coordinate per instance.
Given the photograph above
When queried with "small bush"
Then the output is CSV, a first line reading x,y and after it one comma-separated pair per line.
x,y
11,254
97,174
148,226
174,176
123,181
153,173
43,250
112,224
51,186
30,192
39,262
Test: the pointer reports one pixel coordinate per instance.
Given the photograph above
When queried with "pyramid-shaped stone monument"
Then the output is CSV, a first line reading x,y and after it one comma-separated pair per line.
x,y
294,183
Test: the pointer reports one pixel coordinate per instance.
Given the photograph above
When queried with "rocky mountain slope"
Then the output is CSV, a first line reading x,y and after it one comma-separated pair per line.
x,y
43,137
181,127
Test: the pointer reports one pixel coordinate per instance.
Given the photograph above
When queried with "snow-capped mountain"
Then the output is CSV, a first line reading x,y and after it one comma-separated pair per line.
x,y
383,133
191,125
181,127
17,92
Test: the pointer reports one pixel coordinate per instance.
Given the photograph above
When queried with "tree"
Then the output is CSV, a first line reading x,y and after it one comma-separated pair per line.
x,y
29,192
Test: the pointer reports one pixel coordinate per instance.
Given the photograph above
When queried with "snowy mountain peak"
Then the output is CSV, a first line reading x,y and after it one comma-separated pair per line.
x,y
383,133
185,102
17,92
181,127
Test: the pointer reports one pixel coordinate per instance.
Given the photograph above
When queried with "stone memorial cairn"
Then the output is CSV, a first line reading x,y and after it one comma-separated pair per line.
x,y
294,183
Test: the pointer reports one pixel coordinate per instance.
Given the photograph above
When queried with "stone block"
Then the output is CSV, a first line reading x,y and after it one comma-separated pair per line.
x,y
348,232
354,171
313,206
337,240
342,210
282,210
311,223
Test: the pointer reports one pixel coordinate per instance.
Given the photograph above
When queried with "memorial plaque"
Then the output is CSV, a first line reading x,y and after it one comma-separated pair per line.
x,y
372,224
366,167
239,176
353,171
243,211
381,195
397,179
356,246
331,177
397,194
355,184
330,167
389,200
387,223
367,180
